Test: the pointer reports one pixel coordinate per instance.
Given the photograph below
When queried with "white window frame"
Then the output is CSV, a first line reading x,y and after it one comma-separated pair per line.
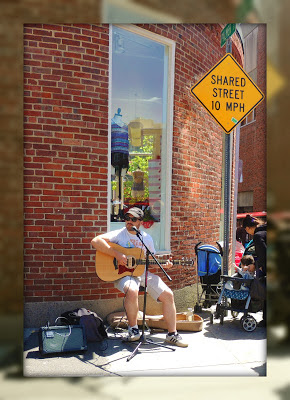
x,y
167,153
245,121
251,65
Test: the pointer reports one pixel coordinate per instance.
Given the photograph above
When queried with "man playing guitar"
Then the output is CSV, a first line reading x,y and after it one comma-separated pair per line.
x,y
129,285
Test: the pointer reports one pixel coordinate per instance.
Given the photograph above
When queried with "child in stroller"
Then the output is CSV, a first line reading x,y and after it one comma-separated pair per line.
x,y
246,271
235,295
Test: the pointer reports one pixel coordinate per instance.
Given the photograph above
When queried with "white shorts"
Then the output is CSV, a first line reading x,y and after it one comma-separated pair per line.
x,y
155,285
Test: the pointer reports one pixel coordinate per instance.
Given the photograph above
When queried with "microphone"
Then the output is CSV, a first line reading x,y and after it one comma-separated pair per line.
x,y
136,230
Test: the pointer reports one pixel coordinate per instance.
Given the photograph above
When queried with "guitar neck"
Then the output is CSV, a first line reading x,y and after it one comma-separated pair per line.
x,y
142,262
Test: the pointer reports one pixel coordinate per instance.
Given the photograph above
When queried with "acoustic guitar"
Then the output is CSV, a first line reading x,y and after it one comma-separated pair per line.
x,y
109,270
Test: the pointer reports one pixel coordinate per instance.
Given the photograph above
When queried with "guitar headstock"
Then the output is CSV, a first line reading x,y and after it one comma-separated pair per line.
x,y
186,262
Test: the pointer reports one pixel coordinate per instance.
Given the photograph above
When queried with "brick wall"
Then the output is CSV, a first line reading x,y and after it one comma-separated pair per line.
x,y
65,166
65,155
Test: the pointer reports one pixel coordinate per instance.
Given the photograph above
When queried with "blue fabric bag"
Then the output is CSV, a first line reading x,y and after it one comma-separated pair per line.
x,y
209,260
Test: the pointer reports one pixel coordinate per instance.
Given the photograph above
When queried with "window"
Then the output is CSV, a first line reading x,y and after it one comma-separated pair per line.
x,y
141,82
251,117
251,66
245,202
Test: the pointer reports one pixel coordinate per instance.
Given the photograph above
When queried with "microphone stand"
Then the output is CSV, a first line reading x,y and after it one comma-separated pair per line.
x,y
142,339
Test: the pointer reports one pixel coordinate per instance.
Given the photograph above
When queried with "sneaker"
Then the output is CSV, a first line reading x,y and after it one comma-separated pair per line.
x,y
176,340
133,334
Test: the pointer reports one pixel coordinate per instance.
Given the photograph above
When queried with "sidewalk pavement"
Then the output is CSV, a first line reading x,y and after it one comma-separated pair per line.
x,y
217,350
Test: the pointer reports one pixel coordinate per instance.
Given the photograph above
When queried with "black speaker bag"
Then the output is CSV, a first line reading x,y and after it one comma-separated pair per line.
x,y
62,339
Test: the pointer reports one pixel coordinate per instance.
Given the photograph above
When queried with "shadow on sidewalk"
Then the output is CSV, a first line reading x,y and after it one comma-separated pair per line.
x,y
100,352
232,329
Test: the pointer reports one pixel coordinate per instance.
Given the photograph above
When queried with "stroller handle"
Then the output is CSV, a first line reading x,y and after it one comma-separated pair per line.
x,y
219,247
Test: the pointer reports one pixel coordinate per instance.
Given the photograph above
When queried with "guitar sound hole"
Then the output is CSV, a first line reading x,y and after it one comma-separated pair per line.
x,y
115,262
130,262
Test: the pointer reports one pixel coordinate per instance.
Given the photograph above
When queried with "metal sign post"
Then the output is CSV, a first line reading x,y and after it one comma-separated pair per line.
x,y
227,190
227,203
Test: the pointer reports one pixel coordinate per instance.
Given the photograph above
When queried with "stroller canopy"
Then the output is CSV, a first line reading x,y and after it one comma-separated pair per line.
x,y
209,260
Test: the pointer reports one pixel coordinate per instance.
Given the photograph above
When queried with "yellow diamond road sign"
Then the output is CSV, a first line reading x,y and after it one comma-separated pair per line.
x,y
227,93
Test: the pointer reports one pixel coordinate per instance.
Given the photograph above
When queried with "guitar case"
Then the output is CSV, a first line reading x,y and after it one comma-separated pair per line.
x,y
119,319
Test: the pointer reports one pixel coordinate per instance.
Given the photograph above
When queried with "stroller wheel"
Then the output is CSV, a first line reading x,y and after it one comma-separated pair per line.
x,y
234,314
249,323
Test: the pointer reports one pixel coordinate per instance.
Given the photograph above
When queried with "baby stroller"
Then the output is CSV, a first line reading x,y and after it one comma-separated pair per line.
x,y
209,261
236,297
